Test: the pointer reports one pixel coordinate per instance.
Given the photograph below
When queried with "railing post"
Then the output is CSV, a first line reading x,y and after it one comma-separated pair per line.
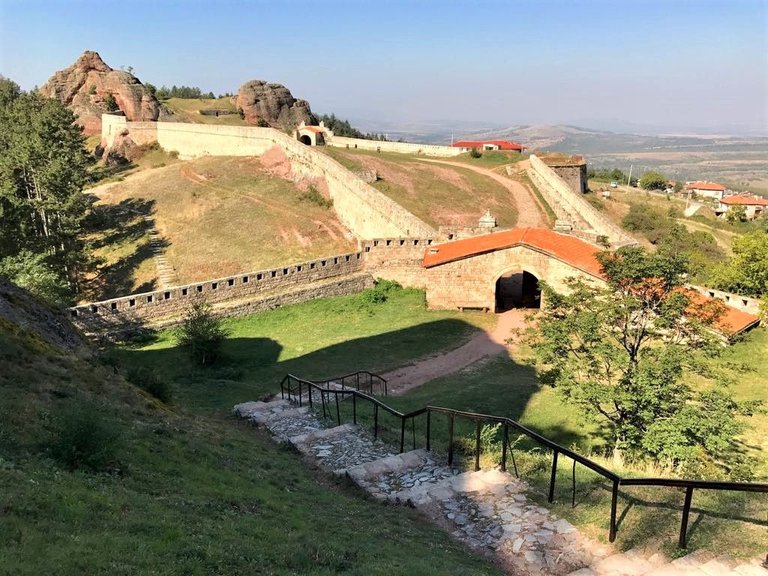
x,y
686,512
413,432
402,434
573,494
504,438
478,426
299,393
552,478
375,420
450,439
429,430
338,414
614,503
354,408
311,406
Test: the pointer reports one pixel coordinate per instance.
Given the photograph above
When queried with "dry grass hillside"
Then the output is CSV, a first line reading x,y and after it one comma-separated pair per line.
x,y
438,194
216,216
188,110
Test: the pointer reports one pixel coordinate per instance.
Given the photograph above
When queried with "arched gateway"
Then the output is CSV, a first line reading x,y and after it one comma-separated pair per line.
x,y
502,270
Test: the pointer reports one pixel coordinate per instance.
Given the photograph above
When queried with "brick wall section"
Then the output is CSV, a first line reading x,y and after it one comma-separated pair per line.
x,y
471,282
162,303
568,205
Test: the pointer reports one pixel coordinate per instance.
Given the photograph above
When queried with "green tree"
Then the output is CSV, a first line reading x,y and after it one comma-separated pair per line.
x,y
111,103
747,270
43,167
620,351
736,214
202,334
30,271
653,181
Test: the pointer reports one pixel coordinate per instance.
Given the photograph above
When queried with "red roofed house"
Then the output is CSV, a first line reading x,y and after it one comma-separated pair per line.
x,y
310,135
754,206
467,145
706,189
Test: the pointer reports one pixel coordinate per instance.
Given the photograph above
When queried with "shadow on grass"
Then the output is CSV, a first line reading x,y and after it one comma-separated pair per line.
x,y
117,226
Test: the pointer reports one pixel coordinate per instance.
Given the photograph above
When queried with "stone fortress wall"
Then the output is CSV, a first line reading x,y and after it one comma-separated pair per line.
x,y
364,210
571,207
399,147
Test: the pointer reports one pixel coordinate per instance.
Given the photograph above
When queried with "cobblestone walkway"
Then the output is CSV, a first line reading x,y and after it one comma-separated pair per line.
x,y
487,510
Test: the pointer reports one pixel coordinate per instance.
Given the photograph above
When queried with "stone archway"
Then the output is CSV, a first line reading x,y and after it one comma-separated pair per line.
x,y
517,289
305,139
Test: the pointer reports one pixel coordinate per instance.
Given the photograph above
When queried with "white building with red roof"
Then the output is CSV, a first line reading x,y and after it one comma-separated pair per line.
x,y
706,189
754,206
506,145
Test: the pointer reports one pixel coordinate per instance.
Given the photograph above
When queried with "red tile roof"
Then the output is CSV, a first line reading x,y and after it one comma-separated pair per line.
x,y
502,144
732,322
705,186
315,129
570,250
744,201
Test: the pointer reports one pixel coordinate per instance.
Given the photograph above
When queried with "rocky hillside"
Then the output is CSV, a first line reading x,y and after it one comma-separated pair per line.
x,y
269,104
85,87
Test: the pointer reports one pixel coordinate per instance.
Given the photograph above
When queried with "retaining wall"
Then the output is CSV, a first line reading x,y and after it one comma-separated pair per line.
x,y
364,210
399,147
568,205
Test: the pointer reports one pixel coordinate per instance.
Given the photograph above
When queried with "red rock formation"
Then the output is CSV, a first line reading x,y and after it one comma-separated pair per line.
x,y
267,104
84,88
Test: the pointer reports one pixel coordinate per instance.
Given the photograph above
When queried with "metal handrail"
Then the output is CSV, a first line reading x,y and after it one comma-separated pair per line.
x,y
616,480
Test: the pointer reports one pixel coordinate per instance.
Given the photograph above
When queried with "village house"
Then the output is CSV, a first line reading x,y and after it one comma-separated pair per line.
x,y
467,145
754,206
705,189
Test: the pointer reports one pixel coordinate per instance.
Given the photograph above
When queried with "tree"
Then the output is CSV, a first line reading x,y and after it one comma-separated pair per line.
x,y
747,271
736,214
202,334
43,168
30,271
111,103
619,352
653,181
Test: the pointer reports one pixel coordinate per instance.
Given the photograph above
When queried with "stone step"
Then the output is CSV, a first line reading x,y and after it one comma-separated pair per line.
x,y
342,447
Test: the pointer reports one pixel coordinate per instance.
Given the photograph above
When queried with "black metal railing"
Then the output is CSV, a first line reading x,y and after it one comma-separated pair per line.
x,y
362,381
294,388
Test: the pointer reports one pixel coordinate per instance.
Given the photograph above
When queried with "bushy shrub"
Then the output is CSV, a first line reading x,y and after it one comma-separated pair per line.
x,y
148,380
83,438
475,153
380,291
202,334
313,196
31,271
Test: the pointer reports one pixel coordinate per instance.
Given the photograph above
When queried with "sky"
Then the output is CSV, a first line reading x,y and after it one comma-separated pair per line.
x,y
666,63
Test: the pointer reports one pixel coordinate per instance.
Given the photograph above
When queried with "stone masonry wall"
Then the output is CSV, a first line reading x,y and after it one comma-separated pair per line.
x,y
400,147
471,282
364,210
398,259
744,303
569,205
575,176
173,301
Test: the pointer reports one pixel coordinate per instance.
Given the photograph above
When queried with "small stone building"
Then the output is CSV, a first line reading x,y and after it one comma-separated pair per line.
x,y
311,135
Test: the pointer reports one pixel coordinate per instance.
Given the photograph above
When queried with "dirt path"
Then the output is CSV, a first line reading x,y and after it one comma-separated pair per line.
x,y
529,213
482,345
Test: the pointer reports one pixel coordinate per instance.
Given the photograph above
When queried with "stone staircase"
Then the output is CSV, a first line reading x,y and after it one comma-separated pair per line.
x,y
487,510
166,274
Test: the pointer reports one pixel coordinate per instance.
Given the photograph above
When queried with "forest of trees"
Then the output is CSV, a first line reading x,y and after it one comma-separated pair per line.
x,y
187,92
43,168
343,128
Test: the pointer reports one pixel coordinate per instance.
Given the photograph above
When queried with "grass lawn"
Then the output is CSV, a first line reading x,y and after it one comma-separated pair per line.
x,y
315,340
218,216
438,194
188,110
192,490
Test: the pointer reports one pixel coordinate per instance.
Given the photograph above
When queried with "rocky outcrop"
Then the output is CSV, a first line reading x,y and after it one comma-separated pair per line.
x,y
86,86
267,104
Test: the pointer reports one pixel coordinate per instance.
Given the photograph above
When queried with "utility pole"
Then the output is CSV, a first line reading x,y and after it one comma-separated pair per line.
x,y
629,178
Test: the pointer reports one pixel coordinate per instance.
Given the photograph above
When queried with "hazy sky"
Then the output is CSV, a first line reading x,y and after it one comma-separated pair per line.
x,y
662,62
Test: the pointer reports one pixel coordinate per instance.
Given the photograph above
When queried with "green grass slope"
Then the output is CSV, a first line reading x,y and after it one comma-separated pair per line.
x,y
202,494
